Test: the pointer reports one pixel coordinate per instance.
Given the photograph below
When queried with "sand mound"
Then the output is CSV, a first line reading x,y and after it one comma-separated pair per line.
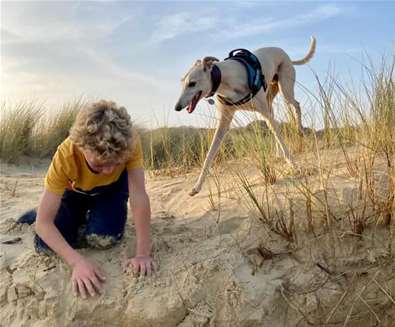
x,y
219,266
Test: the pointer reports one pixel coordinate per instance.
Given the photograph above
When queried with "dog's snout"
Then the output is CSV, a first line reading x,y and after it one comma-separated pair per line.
x,y
178,107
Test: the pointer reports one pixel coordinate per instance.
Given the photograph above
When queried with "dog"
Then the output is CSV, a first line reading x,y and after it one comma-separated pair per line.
x,y
234,83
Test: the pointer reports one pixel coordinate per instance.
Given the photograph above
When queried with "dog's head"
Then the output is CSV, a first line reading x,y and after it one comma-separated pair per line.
x,y
196,84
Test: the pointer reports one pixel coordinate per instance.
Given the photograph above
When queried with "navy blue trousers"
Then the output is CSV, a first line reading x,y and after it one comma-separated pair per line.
x,y
97,217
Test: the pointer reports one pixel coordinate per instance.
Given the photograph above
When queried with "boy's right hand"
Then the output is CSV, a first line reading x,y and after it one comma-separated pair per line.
x,y
87,279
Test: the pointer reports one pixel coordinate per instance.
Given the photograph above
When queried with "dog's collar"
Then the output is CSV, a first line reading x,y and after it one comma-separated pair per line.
x,y
215,80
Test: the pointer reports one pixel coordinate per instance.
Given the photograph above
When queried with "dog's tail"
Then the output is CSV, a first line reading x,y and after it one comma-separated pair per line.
x,y
309,54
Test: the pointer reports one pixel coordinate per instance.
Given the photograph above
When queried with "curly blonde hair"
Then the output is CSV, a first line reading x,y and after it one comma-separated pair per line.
x,y
104,129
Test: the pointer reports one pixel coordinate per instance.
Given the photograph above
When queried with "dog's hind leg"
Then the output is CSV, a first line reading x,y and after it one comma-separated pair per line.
x,y
223,126
271,93
286,76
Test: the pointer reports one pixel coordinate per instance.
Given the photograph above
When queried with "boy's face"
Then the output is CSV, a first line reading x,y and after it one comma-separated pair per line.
x,y
101,167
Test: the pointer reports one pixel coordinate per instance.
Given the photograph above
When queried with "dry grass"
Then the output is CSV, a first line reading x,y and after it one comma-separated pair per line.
x,y
53,128
16,130
27,129
348,201
365,141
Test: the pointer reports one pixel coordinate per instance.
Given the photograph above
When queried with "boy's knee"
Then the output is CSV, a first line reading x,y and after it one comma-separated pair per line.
x,y
29,217
102,241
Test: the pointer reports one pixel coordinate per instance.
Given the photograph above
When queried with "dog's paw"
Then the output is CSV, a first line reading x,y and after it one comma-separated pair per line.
x,y
194,191
292,170
289,170
298,171
310,171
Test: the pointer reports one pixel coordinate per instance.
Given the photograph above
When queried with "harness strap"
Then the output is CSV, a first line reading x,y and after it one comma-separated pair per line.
x,y
255,77
215,80
244,100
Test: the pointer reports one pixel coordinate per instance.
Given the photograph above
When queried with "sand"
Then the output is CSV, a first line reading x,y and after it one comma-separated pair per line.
x,y
218,265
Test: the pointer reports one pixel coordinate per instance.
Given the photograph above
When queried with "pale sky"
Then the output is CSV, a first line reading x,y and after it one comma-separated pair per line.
x,y
136,52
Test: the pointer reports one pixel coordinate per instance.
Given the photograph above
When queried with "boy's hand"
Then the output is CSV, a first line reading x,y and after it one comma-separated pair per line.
x,y
87,279
140,264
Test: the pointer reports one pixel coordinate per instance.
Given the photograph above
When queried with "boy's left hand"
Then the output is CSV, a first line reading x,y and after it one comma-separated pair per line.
x,y
142,265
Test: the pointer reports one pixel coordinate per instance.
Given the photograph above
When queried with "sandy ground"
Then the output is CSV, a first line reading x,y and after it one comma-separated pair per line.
x,y
218,265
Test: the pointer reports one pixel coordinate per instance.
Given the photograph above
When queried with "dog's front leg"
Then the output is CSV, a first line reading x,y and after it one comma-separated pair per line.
x,y
223,126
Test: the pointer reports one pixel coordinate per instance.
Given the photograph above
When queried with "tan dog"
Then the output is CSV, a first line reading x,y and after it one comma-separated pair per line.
x,y
279,73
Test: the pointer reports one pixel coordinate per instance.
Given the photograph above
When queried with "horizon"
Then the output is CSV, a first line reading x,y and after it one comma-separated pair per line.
x,y
135,53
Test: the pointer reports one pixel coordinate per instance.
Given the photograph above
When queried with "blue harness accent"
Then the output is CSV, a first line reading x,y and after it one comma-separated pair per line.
x,y
255,77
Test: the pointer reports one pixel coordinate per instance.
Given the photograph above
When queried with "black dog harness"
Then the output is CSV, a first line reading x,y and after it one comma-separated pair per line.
x,y
255,77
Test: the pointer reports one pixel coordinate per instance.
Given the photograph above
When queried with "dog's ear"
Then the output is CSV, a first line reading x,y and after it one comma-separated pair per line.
x,y
208,62
197,63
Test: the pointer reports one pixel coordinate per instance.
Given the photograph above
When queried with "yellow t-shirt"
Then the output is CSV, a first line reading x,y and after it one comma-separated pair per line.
x,y
69,169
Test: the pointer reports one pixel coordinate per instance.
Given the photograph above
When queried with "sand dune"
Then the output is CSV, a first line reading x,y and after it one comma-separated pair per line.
x,y
218,265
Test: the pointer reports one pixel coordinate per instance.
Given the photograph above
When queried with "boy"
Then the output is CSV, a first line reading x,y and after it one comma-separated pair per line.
x,y
91,176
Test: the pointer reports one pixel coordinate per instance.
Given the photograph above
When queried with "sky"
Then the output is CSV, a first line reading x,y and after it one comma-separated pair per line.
x,y
135,53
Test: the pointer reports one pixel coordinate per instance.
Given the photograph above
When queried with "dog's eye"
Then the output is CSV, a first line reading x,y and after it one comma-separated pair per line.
x,y
191,84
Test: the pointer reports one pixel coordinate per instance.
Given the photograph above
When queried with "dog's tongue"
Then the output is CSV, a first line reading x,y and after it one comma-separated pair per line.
x,y
195,100
190,107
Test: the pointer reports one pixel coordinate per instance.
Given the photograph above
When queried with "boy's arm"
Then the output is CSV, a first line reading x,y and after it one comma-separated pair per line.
x,y
46,229
141,210
86,277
